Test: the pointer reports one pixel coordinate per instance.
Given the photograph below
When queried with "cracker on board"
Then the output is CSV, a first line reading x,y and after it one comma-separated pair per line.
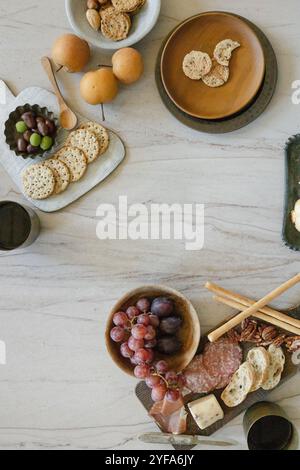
x,y
61,174
223,51
196,64
38,182
75,160
115,26
87,142
100,132
218,76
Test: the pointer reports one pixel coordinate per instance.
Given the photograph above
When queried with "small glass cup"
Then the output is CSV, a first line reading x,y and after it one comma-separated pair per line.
x,y
19,226
267,427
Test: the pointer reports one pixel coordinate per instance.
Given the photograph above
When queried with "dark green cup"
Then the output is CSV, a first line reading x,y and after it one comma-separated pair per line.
x,y
267,427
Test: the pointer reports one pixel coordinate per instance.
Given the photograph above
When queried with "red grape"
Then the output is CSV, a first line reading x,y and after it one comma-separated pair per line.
x,y
154,321
150,344
133,361
126,351
139,331
172,395
172,378
142,371
135,344
120,319
144,319
143,305
162,367
150,356
158,392
117,334
150,333
152,381
132,312
142,356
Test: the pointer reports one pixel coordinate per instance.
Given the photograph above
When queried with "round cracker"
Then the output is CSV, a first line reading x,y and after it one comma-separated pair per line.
x,y
100,132
87,142
38,182
196,64
115,26
107,10
126,6
75,160
61,174
223,51
218,76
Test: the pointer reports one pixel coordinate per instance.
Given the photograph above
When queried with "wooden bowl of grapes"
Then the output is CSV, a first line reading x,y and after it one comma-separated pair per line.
x,y
150,324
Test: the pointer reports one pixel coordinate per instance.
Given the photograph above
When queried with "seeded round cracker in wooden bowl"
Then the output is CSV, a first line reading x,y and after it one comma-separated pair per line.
x,y
38,182
61,174
75,160
100,132
87,142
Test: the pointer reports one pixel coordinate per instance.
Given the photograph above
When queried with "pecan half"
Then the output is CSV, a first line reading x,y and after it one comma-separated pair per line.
x,y
269,333
277,342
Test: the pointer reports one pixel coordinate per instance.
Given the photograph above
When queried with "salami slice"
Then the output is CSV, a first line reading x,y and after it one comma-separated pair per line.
x,y
198,378
222,359
214,368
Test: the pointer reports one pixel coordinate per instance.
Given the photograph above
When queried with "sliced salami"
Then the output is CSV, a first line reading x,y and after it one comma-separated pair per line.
x,y
198,378
222,359
213,369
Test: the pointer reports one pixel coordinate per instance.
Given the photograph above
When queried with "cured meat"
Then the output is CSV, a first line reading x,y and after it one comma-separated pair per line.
x,y
198,378
214,368
222,359
174,423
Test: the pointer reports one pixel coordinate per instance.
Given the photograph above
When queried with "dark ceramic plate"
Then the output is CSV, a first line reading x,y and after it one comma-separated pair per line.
x,y
290,235
12,135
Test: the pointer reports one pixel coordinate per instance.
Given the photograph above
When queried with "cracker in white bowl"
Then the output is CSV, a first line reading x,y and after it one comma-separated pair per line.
x,y
196,64
75,160
127,6
87,142
61,174
38,182
115,26
100,132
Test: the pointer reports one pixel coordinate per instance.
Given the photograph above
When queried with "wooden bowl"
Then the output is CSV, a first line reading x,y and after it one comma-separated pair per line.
x,y
247,66
189,333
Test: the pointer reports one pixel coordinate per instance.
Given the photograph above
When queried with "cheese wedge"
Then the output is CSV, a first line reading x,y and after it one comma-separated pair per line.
x,y
206,411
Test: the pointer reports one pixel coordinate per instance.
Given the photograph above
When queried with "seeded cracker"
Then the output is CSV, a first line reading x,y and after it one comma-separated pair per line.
x,y
126,6
115,26
218,76
75,160
38,182
61,174
100,132
196,64
85,141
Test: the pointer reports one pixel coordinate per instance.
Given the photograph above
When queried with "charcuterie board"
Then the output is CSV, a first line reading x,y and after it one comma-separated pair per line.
x,y
143,393
14,165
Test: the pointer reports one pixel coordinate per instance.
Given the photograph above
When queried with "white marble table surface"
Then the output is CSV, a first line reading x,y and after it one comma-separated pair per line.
x,y
59,389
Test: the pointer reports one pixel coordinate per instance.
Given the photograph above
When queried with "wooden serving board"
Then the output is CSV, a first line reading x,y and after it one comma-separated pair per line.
x,y
290,235
15,165
144,395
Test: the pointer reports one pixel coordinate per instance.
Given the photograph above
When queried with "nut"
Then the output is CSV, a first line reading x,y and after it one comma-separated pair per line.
x,y
102,2
277,342
92,4
94,19
249,332
269,333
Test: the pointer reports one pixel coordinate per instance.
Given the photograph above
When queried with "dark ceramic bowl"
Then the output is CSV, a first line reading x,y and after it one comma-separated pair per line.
x,y
11,133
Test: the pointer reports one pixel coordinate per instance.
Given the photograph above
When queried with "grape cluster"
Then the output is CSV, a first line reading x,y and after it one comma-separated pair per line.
x,y
140,330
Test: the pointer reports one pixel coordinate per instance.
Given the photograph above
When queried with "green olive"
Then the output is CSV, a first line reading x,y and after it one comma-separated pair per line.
x,y
21,127
46,143
35,140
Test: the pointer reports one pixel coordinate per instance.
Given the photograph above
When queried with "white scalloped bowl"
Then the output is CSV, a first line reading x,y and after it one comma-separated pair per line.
x,y
143,23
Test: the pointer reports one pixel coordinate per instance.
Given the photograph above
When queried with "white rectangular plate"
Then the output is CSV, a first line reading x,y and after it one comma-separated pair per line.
x,y
15,166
